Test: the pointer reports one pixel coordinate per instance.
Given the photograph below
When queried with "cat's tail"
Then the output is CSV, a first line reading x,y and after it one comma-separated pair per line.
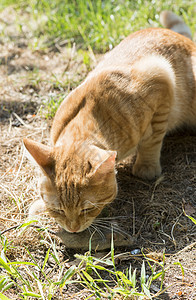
x,y
170,20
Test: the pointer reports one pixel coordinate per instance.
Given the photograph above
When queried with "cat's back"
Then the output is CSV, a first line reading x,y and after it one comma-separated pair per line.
x,y
148,41
176,49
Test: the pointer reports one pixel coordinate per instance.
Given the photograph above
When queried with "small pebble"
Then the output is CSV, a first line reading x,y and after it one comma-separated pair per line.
x,y
135,252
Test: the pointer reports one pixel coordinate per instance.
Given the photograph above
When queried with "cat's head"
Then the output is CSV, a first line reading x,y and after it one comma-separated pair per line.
x,y
76,185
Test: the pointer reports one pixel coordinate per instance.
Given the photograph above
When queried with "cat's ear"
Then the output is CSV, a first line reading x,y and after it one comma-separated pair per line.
x,y
42,155
105,167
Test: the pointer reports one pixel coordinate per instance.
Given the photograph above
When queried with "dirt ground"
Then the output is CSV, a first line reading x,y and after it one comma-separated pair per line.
x,y
153,211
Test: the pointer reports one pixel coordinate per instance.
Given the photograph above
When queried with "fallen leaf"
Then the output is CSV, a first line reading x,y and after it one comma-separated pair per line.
x,y
179,293
189,209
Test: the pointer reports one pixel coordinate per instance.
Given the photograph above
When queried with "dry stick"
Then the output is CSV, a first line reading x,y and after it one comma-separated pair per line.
x,y
172,230
26,125
8,170
6,219
21,162
139,231
11,194
37,131
31,225
157,182
22,122
10,124
133,217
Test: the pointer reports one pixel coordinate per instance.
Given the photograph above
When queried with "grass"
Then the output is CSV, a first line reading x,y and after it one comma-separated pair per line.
x,y
100,276
29,278
97,24
95,27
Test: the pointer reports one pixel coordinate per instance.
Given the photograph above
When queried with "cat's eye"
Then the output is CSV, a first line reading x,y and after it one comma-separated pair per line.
x,y
59,211
86,210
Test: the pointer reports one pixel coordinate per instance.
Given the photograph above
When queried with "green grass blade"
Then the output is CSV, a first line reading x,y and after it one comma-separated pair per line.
x,y
46,259
23,280
3,297
69,273
146,291
30,294
88,277
40,286
6,266
157,275
106,261
27,224
163,272
143,274
192,219
182,269
7,286
3,281
22,263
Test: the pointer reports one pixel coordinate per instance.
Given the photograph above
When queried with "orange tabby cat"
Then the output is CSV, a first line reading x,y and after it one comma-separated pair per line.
x,y
142,89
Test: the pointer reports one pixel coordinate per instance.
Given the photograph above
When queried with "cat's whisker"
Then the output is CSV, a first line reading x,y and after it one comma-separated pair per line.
x,y
91,203
96,205
98,230
108,222
113,218
100,204
124,200
112,226
89,229
101,223
108,226
115,230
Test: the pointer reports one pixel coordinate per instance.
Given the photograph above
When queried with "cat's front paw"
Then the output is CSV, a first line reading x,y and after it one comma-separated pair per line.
x,y
146,171
36,208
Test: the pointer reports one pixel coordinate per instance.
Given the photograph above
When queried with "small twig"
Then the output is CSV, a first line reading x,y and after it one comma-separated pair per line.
x,y
139,231
157,182
8,170
6,230
133,217
22,122
58,47
10,220
163,291
31,225
11,194
38,131
21,162
172,230
10,124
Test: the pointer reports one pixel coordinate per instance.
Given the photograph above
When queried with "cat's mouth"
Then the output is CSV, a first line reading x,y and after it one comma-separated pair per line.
x,y
76,229
73,230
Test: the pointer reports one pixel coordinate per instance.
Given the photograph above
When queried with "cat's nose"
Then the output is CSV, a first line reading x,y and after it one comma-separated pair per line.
x,y
74,228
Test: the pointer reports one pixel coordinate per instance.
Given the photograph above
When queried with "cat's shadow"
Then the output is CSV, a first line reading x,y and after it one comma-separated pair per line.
x,y
145,208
